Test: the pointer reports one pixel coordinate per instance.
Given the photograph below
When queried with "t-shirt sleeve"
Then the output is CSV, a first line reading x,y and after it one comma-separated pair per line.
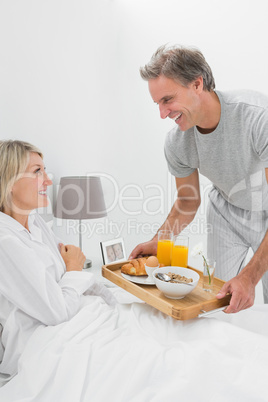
x,y
175,165
260,137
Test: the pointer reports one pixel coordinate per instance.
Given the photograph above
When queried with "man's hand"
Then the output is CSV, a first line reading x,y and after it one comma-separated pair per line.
x,y
148,248
243,293
73,257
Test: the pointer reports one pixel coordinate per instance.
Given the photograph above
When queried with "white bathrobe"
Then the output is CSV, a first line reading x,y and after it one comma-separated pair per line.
x,y
35,288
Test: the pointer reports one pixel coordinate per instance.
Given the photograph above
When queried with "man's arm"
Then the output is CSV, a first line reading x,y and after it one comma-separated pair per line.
x,y
185,206
181,214
242,287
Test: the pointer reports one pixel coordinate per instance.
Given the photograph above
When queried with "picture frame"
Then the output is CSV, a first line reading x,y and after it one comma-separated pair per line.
x,y
113,251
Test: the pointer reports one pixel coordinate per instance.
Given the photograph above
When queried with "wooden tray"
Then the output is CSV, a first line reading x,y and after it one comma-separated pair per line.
x,y
191,306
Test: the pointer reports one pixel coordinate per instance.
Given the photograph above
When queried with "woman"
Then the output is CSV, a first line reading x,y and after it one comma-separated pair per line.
x,y
41,280
81,360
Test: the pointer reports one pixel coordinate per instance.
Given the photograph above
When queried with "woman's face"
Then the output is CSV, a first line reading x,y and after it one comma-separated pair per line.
x,y
29,192
110,254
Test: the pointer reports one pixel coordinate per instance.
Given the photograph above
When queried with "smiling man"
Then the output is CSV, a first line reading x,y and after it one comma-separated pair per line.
x,y
224,136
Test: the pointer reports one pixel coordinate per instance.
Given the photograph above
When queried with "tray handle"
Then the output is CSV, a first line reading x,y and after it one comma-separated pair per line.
x,y
205,313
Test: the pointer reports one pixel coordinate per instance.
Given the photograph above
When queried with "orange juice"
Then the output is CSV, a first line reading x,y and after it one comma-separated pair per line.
x,y
179,256
164,248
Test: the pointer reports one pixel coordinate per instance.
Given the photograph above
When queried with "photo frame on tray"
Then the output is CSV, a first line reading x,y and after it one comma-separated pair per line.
x,y
113,251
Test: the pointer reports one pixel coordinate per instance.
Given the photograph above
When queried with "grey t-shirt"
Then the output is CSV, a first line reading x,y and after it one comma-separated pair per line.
x,y
234,156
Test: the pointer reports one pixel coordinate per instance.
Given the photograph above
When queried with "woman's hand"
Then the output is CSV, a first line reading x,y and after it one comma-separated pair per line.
x,y
73,257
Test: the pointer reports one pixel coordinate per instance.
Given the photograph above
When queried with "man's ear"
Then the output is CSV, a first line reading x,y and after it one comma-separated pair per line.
x,y
198,85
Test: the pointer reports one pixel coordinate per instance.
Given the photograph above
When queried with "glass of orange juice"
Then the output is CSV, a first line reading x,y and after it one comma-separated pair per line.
x,y
164,246
179,257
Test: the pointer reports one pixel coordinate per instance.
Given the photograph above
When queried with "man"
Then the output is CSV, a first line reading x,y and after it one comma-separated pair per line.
x,y
224,136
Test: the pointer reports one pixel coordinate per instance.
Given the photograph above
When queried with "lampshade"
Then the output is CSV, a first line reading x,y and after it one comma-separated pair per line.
x,y
80,197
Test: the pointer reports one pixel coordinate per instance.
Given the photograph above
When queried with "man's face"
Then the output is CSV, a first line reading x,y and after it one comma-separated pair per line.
x,y
180,103
118,251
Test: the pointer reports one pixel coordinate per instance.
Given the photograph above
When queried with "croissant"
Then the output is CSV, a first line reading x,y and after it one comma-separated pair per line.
x,y
135,267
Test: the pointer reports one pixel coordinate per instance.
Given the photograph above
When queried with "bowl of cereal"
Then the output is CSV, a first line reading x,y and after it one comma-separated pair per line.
x,y
180,279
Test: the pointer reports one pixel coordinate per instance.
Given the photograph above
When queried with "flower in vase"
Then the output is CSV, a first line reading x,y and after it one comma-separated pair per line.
x,y
198,250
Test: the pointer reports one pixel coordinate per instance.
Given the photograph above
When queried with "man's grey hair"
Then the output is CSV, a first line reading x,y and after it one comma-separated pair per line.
x,y
180,64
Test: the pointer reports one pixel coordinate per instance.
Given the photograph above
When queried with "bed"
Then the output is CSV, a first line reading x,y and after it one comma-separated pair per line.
x,y
132,352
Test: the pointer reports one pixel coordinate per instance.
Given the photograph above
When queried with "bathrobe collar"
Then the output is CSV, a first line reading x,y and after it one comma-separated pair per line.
x,y
34,231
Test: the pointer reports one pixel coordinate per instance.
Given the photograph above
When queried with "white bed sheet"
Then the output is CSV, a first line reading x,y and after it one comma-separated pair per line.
x,y
134,353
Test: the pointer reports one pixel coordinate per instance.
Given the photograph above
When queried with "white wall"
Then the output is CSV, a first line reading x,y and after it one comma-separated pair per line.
x,y
69,83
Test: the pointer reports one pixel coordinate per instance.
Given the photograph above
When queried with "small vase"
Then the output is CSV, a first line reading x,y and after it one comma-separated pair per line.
x,y
208,274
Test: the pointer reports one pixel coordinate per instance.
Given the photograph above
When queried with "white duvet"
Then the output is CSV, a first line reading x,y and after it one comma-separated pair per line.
x,y
134,353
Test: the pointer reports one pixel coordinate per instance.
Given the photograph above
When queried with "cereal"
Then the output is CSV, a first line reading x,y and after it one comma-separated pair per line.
x,y
177,277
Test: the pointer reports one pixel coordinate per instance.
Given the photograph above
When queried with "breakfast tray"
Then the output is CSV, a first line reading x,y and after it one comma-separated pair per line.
x,y
197,303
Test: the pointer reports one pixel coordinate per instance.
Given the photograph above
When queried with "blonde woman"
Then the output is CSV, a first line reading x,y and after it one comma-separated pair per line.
x,y
41,280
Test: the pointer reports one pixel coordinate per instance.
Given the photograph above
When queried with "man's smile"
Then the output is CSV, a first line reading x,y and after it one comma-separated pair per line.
x,y
176,117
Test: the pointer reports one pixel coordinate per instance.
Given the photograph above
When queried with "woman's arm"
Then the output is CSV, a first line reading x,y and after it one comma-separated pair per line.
x,y
28,282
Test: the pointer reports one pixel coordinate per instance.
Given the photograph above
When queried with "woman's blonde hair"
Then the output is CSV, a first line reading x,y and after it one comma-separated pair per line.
x,y
14,158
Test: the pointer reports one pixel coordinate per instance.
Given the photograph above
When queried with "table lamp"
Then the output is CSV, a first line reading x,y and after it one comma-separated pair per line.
x,y
80,197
